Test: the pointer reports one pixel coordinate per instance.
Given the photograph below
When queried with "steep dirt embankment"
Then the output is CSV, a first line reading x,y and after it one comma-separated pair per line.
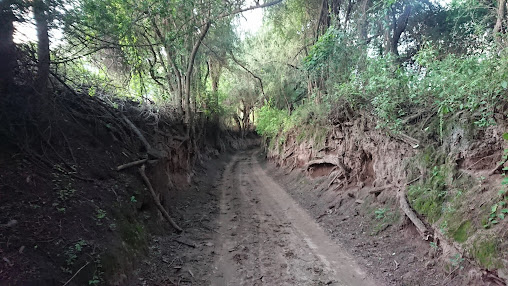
x,y
362,177
76,209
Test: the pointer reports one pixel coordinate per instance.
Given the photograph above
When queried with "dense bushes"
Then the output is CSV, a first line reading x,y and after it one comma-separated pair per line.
x,y
475,84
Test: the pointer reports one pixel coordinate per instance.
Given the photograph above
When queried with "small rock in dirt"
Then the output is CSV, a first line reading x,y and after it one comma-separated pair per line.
x,y
429,264
8,261
359,201
209,244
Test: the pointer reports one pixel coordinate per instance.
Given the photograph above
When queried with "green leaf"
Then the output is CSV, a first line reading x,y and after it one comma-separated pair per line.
x,y
504,84
500,216
494,208
495,222
505,211
505,136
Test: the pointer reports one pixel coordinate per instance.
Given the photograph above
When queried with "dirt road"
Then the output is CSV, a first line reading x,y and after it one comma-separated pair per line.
x,y
266,238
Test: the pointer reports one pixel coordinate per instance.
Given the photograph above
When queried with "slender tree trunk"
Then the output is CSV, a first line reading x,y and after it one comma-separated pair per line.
x,y
363,24
498,28
188,76
40,10
399,28
171,61
395,30
7,47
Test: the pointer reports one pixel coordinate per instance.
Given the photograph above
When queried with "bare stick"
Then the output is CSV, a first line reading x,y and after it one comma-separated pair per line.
x,y
414,180
335,178
156,199
185,243
68,281
131,164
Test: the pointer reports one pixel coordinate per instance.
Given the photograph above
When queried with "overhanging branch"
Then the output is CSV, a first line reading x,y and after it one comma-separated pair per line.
x,y
250,72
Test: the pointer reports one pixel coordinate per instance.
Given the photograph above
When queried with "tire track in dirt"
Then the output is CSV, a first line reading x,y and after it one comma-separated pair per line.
x,y
266,238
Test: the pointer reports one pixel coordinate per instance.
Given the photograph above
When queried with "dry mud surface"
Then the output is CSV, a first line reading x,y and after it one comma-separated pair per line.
x,y
249,222
266,238
256,234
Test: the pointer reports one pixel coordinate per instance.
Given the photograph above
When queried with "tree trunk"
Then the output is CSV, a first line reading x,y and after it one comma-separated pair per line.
x,y
395,30
171,61
7,47
238,123
498,28
188,76
363,22
400,27
40,10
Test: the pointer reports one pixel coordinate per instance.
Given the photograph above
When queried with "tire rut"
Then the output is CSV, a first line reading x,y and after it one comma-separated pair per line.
x,y
266,238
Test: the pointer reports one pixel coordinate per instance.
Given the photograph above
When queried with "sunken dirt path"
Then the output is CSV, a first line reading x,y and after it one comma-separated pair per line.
x,y
265,238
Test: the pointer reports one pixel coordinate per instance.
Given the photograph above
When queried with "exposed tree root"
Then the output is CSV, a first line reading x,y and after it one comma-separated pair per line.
x,y
329,159
131,164
420,226
156,200
149,149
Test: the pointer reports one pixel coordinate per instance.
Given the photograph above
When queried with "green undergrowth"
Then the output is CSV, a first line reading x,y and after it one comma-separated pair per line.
x,y
487,251
446,197
133,236
307,124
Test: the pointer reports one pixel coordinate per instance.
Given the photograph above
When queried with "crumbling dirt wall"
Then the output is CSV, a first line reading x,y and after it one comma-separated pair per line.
x,y
379,166
358,154
67,212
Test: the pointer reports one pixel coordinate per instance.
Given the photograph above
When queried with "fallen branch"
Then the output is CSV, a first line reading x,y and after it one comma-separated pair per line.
x,y
131,164
498,166
154,152
68,281
420,226
414,180
288,155
185,243
333,180
476,163
415,143
156,200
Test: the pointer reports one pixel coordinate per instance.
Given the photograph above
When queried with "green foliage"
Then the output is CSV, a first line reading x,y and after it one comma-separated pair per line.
x,y
498,211
428,199
270,121
486,251
461,233
380,213
73,251
321,51
100,215
385,217
457,261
